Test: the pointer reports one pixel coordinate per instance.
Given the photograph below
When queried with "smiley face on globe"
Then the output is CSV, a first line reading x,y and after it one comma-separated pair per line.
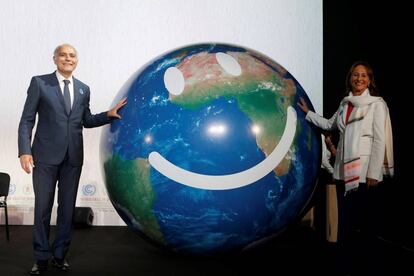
x,y
211,155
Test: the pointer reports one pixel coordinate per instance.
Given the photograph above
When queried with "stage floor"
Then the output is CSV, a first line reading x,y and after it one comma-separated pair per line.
x,y
113,250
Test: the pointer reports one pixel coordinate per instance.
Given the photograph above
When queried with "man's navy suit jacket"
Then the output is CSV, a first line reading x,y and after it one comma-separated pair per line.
x,y
57,132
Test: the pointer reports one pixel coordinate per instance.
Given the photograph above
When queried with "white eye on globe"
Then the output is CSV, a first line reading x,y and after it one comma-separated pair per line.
x,y
174,81
229,64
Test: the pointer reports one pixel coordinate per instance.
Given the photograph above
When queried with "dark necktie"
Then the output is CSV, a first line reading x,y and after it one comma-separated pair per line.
x,y
66,96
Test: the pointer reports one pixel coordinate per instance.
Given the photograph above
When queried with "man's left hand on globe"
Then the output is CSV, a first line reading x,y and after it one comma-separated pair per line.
x,y
211,155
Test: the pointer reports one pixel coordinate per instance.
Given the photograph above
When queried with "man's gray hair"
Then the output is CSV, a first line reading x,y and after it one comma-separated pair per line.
x,y
57,49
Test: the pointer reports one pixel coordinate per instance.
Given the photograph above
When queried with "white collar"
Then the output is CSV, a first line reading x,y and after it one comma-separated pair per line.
x,y
61,78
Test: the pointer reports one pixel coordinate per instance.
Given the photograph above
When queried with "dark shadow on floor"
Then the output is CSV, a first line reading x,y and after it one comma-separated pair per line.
x,y
117,250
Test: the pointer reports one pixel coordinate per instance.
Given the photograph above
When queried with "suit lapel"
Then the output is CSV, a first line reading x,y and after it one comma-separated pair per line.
x,y
77,92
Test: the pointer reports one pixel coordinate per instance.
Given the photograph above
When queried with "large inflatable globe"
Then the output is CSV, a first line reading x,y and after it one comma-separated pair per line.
x,y
212,155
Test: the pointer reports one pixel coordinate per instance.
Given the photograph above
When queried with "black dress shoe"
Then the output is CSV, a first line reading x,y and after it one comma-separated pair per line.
x,y
61,264
39,267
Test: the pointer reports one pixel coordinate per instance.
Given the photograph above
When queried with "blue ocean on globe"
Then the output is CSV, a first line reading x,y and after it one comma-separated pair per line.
x,y
212,154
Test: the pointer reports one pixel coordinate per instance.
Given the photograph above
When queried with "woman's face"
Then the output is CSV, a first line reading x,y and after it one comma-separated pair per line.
x,y
359,80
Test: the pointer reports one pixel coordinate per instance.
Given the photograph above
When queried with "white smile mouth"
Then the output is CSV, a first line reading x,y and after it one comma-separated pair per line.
x,y
230,181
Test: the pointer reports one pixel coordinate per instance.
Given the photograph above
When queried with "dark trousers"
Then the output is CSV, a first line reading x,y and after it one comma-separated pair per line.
x,y
361,220
45,178
360,211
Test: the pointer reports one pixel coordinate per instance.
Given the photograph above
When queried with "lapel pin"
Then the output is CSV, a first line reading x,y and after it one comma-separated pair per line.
x,y
81,91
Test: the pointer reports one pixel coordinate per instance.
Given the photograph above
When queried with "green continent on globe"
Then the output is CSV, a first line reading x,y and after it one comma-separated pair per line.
x,y
257,86
130,186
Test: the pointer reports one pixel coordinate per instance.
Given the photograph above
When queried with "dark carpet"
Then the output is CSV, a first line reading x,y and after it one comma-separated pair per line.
x,y
112,250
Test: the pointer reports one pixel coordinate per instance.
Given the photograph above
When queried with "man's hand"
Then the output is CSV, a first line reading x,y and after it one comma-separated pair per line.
x,y
26,161
114,111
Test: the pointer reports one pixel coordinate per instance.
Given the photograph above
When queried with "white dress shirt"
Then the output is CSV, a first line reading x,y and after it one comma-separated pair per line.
x,y
62,85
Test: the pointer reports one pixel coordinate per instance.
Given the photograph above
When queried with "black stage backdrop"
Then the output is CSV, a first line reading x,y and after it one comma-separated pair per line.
x,y
377,32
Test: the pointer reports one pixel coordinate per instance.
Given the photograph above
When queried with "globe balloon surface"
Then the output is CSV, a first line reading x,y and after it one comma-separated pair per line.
x,y
212,154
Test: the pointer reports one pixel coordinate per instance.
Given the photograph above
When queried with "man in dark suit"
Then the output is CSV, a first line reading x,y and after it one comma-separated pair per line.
x,y
56,155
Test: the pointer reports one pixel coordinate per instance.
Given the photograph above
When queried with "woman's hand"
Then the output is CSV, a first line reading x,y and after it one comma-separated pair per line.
x,y
371,182
302,104
330,145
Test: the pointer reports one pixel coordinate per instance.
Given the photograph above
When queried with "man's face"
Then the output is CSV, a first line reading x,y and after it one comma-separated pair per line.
x,y
66,60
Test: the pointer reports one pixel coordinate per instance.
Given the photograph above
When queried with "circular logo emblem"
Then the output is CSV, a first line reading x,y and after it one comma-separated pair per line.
x,y
12,189
88,189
